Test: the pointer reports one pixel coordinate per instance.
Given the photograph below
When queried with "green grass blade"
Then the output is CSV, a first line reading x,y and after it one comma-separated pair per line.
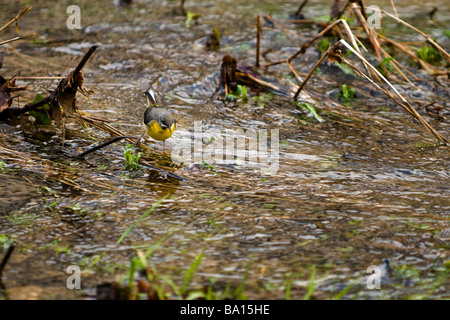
x,y
239,293
311,288
344,291
150,251
131,272
288,283
310,108
141,218
191,273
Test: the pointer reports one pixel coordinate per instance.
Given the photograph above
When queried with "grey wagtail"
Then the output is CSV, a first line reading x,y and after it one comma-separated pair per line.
x,y
159,123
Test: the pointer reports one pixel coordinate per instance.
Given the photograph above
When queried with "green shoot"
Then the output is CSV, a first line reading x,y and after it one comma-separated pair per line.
x,y
141,218
41,114
323,45
309,108
311,287
241,93
429,54
288,284
191,272
347,94
131,160
190,17
239,293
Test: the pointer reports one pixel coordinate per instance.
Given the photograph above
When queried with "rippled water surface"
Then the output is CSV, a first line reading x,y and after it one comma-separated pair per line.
x,y
365,185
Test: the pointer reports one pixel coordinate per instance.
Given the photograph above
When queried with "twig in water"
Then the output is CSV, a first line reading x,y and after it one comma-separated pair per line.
x,y
258,39
18,38
40,78
5,259
309,75
300,8
100,146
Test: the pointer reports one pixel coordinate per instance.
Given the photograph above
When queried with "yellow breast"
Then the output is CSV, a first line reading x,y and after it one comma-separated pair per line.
x,y
155,131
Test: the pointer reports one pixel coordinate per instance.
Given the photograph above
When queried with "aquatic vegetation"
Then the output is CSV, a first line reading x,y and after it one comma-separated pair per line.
x,y
5,241
308,107
347,94
429,54
323,45
240,94
41,114
131,157
141,218
191,17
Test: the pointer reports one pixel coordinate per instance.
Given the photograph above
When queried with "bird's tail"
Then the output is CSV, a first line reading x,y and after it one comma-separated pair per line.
x,y
151,98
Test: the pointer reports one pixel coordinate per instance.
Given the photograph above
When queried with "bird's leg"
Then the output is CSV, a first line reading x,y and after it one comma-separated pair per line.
x,y
137,141
164,146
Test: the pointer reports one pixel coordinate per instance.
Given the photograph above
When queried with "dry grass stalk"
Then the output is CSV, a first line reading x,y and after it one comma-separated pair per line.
x,y
404,103
310,74
258,39
310,42
395,10
300,7
369,31
18,38
425,65
428,38
16,18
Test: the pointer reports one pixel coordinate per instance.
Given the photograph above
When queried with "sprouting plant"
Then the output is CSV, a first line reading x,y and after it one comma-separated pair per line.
x,y
310,108
288,284
2,164
239,293
213,43
131,159
262,99
323,45
344,291
65,249
346,94
46,190
190,16
5,241
3,168
311,286
41,114
207,166
429,54
141,218
385,65
241,93
191,273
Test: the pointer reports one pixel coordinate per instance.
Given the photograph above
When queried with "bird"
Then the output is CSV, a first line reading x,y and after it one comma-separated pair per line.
x,y
159,123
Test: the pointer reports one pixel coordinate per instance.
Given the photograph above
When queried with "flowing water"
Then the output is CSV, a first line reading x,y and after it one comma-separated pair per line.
x,y
365,185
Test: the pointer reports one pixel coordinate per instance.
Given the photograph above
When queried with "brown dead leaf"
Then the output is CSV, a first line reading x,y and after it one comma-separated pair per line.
x,y
5,93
